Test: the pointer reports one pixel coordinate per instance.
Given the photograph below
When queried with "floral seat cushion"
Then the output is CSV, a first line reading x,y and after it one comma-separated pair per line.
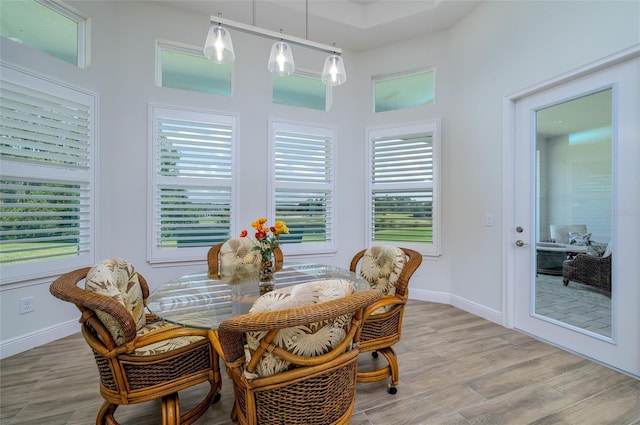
x,y
165,345
381,267
310,340
117,279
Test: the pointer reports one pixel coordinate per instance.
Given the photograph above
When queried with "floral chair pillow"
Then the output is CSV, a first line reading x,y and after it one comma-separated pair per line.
x,y
310,340
236,252
117,279
381,267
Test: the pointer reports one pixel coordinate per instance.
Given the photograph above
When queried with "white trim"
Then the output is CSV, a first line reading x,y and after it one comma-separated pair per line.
x,y
458,302
40,337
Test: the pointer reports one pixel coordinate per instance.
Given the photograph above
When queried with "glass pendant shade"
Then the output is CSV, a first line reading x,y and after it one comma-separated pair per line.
x,y
333,73
218,46
281,59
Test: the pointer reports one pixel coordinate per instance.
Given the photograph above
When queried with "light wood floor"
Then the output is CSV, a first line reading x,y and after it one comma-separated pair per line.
x,y
455,368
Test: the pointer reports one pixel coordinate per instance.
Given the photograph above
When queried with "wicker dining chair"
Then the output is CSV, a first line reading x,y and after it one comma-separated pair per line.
x,y
388,269
237,251
295,365
139,358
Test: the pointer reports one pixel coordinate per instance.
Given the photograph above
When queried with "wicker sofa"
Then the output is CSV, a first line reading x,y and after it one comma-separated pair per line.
x,y
591,270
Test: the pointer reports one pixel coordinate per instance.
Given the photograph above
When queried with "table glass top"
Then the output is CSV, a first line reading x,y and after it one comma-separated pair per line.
x,y
200,301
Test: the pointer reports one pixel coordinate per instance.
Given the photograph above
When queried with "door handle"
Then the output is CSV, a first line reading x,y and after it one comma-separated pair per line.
x,y
520,243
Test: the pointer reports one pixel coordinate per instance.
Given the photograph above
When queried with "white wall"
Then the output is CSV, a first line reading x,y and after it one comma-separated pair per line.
x,y
580,189
499,48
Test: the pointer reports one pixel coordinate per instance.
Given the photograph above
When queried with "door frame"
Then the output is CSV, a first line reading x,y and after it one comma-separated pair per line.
x,y
509,186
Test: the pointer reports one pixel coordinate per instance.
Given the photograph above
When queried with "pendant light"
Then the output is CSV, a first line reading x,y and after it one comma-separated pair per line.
x,y
219,49
281,59
333,73
218,46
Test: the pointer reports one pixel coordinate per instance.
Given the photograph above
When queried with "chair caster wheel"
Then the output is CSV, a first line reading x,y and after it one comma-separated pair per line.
x,y
374,354
216,398
392,389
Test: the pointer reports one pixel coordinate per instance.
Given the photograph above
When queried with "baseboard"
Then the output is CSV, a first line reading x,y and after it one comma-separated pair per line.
x,y
431,296
26,342
458,302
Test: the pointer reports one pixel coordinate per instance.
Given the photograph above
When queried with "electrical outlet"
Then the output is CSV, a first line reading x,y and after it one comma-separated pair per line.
x,y
488,220
26,305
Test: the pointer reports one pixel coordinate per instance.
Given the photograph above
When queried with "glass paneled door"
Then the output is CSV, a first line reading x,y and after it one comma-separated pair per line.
x,y
576,215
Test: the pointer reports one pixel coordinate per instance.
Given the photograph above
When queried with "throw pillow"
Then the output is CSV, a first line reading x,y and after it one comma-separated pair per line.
x,y
117,279
596,249
381,267
580,239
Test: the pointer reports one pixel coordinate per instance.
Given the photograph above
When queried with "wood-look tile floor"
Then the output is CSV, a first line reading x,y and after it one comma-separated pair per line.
x,y
455,368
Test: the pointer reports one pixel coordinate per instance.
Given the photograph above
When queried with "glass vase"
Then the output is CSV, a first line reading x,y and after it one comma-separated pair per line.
x,y
266,270
265,275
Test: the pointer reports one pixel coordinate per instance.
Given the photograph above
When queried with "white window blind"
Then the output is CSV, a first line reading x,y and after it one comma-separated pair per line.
x,y
47,177
403,184
303,169
192,182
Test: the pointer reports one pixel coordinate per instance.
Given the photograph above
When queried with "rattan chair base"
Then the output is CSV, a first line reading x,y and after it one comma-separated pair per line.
x,y
382,330
170,410
391,370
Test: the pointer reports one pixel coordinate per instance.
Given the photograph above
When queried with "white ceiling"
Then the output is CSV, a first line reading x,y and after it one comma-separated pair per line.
x,y
350,24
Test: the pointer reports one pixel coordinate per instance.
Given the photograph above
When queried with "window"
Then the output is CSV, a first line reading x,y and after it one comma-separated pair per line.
x,y
192,182
47,145
406,90
49,26
303,89
184,67
403,192
303,196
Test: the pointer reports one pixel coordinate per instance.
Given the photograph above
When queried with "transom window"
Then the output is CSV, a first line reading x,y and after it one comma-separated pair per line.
x,y
405,90
303,89
184,67
49,26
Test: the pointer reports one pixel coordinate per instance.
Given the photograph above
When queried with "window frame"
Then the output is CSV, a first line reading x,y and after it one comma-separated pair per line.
x,y
188,50
12,273
398,75
83,29
312,75
157,254
433,127
276,126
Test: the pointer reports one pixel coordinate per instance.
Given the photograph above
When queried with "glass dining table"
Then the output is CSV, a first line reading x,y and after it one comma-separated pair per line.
x,y
201,301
